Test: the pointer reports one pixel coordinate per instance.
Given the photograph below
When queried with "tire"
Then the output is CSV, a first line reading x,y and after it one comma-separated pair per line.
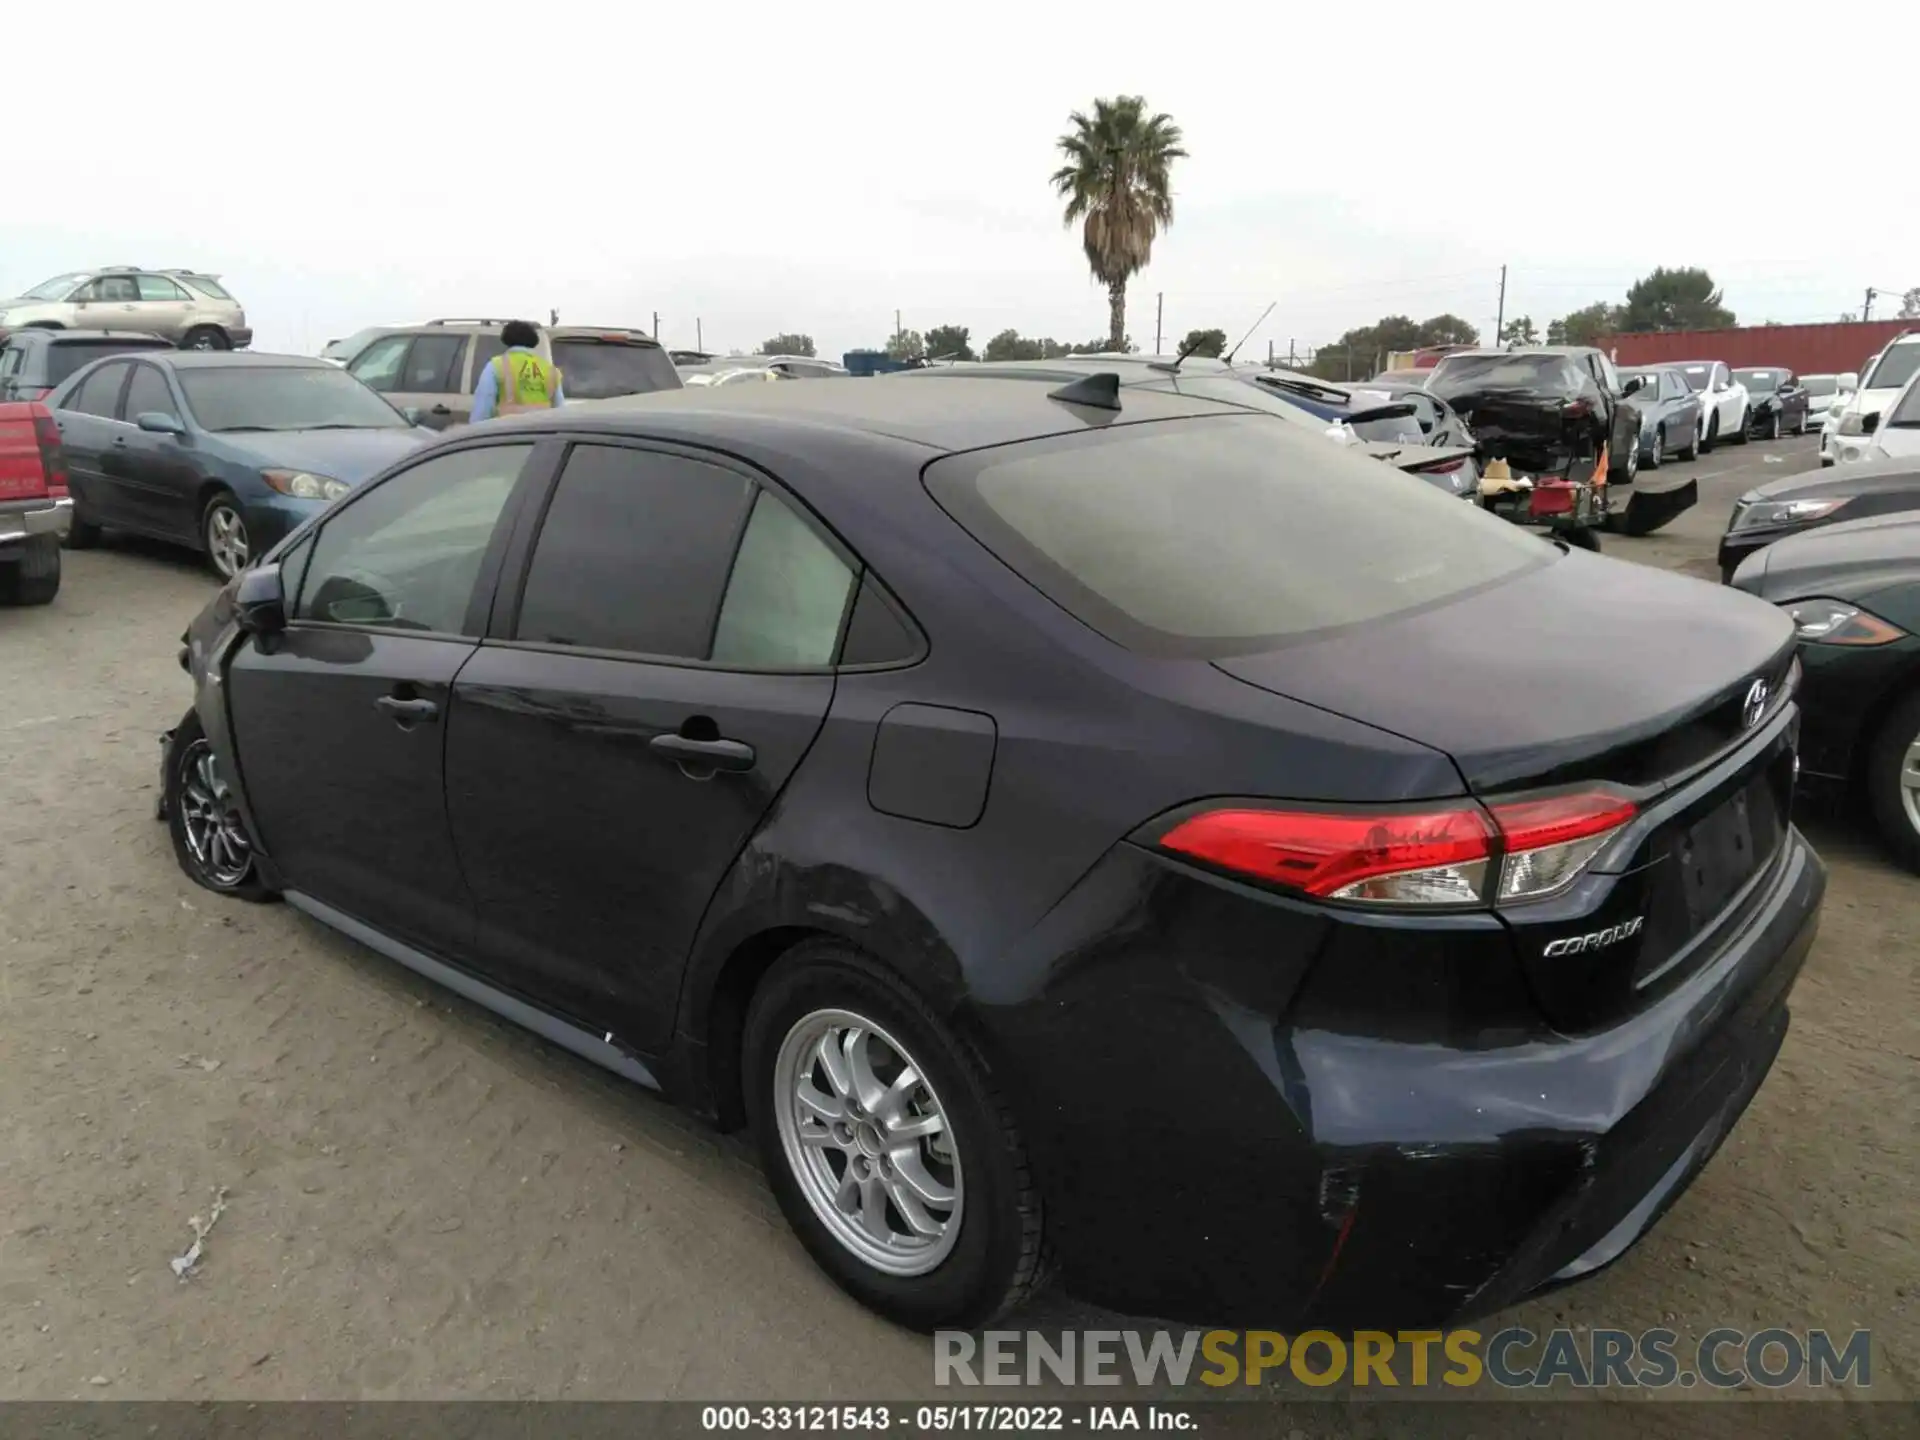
x,y
223,535
1894,750
1745,431
1692,452
81,534
1659,452
962,1278
1584,538
32,575
1631,467
210,839
1800,427
205,337
1712,437
1773,426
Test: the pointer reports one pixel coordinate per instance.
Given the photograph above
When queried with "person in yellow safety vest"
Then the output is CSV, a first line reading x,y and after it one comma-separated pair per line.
x,y
519,380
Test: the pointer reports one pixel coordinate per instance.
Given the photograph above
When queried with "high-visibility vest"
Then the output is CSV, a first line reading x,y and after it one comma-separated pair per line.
x,y
525,382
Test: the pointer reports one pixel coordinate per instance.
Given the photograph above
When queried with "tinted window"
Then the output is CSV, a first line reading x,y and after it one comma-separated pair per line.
x,y
1221,536
147,393
876,635
207,285
599,370
433,364
272,397
158,287
787,595
407,554
70,355
1896,367
99,393
378,366
1460,374
1819,385
633,553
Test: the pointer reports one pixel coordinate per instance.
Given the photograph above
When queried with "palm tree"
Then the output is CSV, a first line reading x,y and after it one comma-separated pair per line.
x,y
1116,180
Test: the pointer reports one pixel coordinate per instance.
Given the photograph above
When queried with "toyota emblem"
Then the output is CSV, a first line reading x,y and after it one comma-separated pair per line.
x,y
1755,704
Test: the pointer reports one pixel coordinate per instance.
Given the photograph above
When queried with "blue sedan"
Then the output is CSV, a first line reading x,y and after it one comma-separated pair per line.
x,y
224,451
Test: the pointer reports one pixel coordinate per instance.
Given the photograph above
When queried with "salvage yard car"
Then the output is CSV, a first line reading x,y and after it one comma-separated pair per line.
x,y
1725,411
1552,410
1081,824
1796,503
222,452
34,362
184,307
34,506
1880,384
1776,402
1853,593
1669,414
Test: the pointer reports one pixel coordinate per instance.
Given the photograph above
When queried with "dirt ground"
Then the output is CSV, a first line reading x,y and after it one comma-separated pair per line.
x,y
420,1201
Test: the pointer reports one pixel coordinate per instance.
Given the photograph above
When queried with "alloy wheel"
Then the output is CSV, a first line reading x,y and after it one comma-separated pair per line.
x,y
228,546
868,1142
1910,783
210,820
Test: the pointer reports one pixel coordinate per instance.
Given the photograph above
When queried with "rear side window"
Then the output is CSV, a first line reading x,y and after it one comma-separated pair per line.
x,y
207,285
68,356
602,369
158,287
99,393
634,553
787,597
1222,536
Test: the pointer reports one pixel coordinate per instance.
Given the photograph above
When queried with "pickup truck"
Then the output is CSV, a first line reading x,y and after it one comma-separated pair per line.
x,y
34,506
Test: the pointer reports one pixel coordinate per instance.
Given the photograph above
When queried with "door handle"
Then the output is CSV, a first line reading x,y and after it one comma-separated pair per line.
x,y
440,410
120,440
407,712
706,754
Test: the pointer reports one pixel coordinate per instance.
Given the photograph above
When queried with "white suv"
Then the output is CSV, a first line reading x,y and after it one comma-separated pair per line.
x,y
1848,437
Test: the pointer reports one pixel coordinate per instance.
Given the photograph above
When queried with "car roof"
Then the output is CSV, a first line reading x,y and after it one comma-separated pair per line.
x,y
1491,350
624,333
91,337
243,359
995,411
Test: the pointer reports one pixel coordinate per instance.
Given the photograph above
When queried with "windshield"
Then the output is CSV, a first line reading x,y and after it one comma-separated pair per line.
x,y
602,369
1222,536
1906,414
1819,385
1457,374
1896,367
1763,381
249,397
1697,376
56,288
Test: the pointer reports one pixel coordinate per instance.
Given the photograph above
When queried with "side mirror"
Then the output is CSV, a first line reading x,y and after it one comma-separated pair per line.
x,y
260,601
156,422
1870,423
1849,381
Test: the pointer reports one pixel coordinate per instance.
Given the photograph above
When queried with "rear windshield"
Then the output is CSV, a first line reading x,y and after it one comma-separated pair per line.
x,y
1765,381
207,285
602,369
1457,374
1896,367
1222,536
69,355
1696,376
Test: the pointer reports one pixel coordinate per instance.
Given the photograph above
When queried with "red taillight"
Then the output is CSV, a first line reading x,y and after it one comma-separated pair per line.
x,y
1433,857
1437,856
53,455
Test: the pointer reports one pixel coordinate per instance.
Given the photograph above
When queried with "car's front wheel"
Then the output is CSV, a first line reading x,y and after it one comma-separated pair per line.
x,y
1893,780
223,534
1773,426
1743,432
1712,437
893,1159
1659,451
210,838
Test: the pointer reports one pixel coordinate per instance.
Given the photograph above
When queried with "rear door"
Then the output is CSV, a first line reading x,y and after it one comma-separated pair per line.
x,y
163,308
430,379
340,727
660,674
89,430
161,473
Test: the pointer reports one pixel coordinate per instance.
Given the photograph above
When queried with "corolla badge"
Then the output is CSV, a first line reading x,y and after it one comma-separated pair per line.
x,y
1755,704
1594,939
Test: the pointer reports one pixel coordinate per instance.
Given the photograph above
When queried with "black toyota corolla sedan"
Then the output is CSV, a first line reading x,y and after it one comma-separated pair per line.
x,y
1149,839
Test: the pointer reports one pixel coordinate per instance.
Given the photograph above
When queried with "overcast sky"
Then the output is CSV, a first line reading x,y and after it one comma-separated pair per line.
x,y
776,166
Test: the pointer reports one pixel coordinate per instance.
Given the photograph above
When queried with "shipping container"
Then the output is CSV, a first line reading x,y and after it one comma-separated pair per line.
x,y
1804,349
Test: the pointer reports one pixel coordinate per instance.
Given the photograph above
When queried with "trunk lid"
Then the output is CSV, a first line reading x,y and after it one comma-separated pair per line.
x,y
23,473
1590,671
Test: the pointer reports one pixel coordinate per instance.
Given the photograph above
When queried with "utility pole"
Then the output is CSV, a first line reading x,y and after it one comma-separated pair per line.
x,y
656,325
1500,319
1866,310
1270,354
896,325
699,340
1159,313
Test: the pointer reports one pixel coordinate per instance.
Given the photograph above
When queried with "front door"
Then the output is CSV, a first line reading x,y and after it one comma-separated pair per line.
x,y
89,430
161,473
340,725
615,746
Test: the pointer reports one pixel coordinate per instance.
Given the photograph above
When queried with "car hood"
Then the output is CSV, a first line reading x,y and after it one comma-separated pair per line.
x,y
1871,477
1582,668
1865,402
349,455
1845,561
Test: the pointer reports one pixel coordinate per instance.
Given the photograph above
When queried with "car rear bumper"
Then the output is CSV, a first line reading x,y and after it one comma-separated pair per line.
x,y
22,519
241,337
1212,1150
